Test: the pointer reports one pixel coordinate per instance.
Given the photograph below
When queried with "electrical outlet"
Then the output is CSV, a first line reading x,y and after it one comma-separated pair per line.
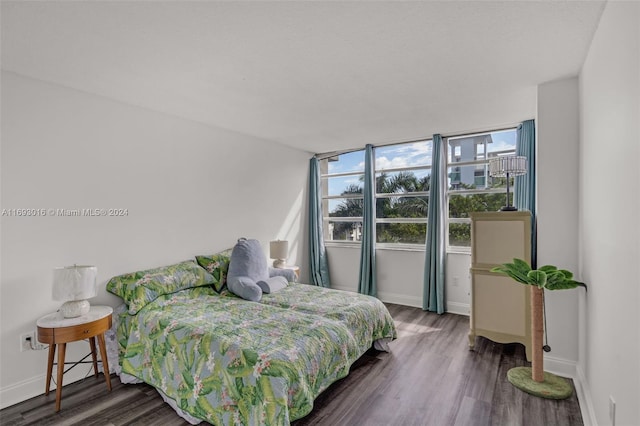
x,y
456,282
29,342
612,410
25,341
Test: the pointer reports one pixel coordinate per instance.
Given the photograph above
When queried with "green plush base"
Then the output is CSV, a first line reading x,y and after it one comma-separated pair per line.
x,y
553,387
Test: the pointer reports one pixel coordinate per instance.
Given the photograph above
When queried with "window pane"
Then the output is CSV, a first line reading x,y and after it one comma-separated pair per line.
x,y
407,181
469,177
468,148
502,142
403,207
343,163
342,185
343,231
461,204
403,233
460,234
344,207
403,155
475,176
478,147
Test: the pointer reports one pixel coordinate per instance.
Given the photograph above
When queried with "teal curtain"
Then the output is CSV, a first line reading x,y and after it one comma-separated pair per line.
x,y
367,279
524,190
318,265
434,265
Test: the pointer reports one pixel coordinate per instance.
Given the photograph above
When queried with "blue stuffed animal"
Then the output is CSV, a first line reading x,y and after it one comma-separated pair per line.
x,y
249,274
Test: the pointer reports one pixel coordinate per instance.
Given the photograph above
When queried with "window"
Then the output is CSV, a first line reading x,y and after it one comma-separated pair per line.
x,y
403,176
402,188
471,189
342,183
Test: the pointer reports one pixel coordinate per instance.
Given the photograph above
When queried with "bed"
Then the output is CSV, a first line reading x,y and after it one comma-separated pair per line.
x,y
216,357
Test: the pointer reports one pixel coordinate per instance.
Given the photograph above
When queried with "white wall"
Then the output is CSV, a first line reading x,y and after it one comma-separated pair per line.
x,y
557,127
609,358
400,276
189,189
399,273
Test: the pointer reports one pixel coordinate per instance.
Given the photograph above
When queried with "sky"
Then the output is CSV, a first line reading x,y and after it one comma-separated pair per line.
x,y
401,155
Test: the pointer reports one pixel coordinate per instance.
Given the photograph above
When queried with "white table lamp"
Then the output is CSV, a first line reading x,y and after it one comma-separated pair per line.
x,y
506,166
74,285
279,250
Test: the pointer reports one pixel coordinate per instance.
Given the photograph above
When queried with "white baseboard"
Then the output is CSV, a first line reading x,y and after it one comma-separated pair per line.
x,y
413,301
416,302
21,391
400,299
559,366
334,287
458,308
564,368
584,397
397,299
34,386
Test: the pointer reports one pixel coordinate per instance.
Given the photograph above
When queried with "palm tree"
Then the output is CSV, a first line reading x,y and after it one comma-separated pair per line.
x,y
350,207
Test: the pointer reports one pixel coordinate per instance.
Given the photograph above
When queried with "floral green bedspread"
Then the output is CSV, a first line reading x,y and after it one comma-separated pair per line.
x,y
366,317
229,361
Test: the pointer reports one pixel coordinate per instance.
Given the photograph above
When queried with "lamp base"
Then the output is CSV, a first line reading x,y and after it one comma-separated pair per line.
x,y
508,209
75,308
279,263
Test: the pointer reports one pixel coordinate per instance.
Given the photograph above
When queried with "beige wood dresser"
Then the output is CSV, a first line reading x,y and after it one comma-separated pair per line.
x,y
500,307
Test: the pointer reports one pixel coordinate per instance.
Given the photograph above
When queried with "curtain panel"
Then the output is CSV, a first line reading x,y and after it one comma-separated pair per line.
x,y
524,190
367,278
434,266
318,264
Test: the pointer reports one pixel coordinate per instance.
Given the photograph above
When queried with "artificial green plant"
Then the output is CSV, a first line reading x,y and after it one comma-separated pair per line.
x,y
547,277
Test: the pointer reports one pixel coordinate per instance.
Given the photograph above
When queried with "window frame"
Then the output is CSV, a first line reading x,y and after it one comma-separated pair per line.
x,y
428,167
326,219
415,194
449,192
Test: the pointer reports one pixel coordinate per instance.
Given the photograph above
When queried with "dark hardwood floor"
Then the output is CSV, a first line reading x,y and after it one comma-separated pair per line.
x,y
429,378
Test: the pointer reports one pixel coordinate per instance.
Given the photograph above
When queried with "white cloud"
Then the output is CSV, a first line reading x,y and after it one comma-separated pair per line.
x,y
406,155
501,146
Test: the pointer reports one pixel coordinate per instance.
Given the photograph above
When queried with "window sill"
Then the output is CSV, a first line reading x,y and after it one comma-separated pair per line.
x,y
379,246
342,244
396,247
458,250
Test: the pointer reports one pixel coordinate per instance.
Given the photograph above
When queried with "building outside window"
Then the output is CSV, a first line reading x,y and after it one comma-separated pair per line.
x,y
471,189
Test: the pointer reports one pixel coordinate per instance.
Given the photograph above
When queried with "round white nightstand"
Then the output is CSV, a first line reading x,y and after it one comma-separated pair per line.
x,y
56,330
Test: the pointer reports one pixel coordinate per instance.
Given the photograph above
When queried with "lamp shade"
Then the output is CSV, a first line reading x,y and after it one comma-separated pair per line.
x,y
77,282
508,166
279,249
511,165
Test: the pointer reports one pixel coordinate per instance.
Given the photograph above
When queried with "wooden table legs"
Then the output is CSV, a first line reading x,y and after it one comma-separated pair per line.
x,y
92,343
103,357
62,348
52,354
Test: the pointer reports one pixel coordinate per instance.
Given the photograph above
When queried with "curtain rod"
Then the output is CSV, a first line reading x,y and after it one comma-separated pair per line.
x,y
322,156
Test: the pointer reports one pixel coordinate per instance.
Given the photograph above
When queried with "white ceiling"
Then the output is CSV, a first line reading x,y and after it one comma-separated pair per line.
x,y
318,76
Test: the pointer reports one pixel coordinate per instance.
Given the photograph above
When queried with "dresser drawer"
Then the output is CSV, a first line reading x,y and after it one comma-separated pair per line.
x,y
73,333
